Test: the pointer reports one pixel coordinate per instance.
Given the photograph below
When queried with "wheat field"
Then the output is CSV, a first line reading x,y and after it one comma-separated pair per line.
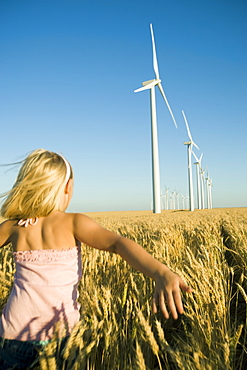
x,y
208,248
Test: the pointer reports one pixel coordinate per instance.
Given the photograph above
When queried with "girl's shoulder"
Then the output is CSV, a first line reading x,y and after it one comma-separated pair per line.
x,y
82,220
6,228
78,217
7,225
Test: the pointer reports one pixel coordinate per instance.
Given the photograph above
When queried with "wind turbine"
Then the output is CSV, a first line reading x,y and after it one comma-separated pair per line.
x,y
150,85
190,145
183,198
210,184
162,197
167,198
202,187
198,165
173,200
177,198
209,191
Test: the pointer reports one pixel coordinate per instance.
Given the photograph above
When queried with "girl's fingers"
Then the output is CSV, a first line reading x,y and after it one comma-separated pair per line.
x,y
172,304
162,305
159,304
172,301
184,286
154,304
178,302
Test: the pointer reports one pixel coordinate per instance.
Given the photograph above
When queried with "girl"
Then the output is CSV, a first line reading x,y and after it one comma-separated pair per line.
x,y
46,248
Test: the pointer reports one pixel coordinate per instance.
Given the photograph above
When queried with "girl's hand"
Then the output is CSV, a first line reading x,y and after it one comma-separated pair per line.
x,y
167,293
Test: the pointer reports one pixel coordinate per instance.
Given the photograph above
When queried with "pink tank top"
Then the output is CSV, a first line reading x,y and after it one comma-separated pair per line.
x,y
44,293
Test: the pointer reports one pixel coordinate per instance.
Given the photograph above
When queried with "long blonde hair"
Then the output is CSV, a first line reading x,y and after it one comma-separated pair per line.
x,y
38,187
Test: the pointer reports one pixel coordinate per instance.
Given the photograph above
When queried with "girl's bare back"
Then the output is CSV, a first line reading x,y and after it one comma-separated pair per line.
x,y
51,232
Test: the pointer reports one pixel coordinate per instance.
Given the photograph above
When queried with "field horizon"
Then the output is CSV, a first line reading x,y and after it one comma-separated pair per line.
x,y
170,212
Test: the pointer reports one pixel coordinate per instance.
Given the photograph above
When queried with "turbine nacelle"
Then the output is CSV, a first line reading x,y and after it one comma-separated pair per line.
x,y
148,85
151,82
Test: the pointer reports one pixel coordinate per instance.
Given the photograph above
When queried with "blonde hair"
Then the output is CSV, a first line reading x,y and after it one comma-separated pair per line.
x,y
38,187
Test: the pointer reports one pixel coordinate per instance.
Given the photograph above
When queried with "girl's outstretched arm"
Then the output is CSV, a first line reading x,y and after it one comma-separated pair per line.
x,y
168,284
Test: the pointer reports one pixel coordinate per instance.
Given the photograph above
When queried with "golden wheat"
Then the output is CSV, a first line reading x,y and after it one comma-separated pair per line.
x,y
207,248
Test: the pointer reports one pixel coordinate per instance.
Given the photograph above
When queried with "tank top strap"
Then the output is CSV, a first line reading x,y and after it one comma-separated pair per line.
x,y
28,221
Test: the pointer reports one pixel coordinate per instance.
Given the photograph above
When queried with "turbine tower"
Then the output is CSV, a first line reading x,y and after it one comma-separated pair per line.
x,y
190,145
154,133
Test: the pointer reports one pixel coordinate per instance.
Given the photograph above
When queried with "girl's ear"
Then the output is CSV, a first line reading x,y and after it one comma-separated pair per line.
x,y
69,186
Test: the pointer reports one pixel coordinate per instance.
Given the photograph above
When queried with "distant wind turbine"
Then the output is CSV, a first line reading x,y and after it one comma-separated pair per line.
x,y
155,151
186,202
167,198
190,145
198,168
210,184
209,191
173,200
177,197
162,197
183,198
202,187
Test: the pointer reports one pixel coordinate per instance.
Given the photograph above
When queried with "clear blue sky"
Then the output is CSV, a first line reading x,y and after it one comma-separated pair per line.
x,y
68,70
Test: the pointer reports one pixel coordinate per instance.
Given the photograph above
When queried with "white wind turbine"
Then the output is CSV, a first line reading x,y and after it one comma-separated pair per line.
x,y
202,187
209,191
210,184
183,199
173,200
198,168
167,198
162,197
186,202
155,151
190,145
177,195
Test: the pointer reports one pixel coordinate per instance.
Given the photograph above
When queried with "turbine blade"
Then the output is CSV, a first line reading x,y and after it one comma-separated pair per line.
x,y
189,133
194,144
187,127
195,156
141,89
168,106
155,62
